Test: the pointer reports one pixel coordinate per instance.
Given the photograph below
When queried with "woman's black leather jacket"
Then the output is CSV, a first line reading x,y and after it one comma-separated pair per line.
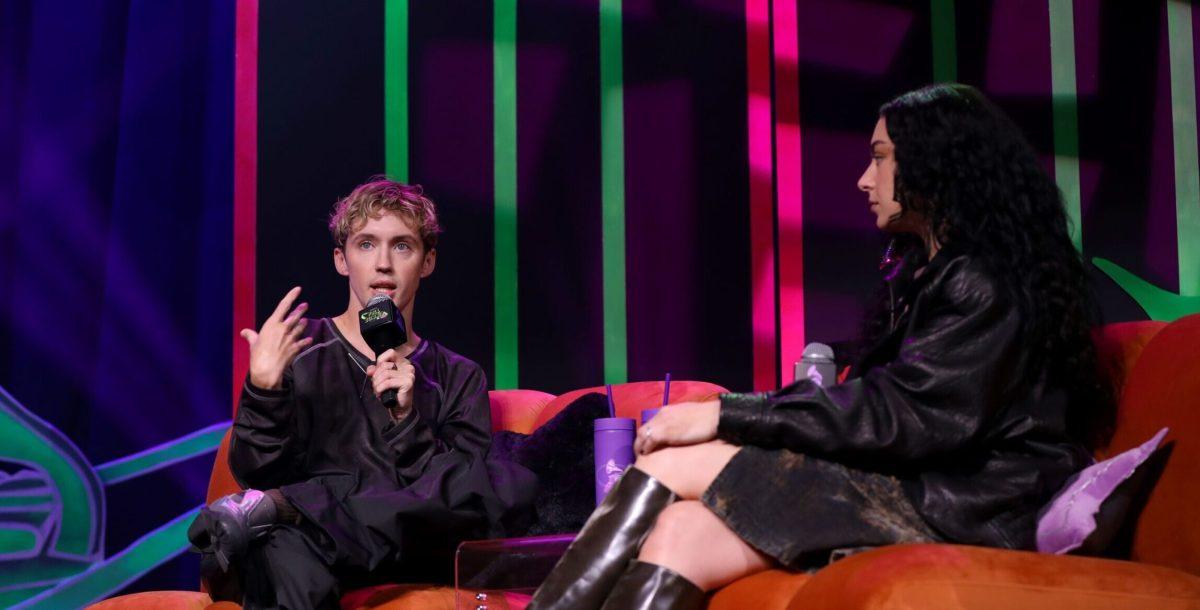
x,y
940,403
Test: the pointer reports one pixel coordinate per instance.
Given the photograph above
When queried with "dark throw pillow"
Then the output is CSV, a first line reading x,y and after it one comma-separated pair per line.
x,y
560,454
1086,516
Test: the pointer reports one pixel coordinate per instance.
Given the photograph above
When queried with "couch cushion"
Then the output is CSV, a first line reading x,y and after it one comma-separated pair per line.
x,y
156,600
426,597
517,410
1163,389
942,576
766,591
400,597
631,398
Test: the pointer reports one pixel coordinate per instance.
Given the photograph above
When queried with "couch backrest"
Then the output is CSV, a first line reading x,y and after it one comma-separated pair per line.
x,y
630,398
517,410
1118,346
220,482
1163,389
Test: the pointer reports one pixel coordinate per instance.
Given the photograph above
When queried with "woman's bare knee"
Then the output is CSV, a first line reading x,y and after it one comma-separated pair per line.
x,y
692,541
687,470
672,531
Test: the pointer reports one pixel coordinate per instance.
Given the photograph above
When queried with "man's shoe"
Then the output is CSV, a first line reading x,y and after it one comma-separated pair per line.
x,y
226,527
646,586
585,575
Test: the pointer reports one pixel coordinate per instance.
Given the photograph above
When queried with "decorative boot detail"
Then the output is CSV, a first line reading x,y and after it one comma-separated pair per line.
x,y
585,575
646,586
226,527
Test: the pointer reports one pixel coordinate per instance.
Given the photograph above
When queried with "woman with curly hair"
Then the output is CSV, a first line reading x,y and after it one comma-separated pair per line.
x,y
971,404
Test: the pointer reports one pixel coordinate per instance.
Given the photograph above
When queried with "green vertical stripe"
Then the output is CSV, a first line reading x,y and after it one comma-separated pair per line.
x,y
504,141
945,61
1187,168
1066,112
612,190
395,89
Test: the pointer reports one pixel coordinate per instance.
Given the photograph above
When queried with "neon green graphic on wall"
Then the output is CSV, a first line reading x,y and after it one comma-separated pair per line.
x,y
52,513
1161,304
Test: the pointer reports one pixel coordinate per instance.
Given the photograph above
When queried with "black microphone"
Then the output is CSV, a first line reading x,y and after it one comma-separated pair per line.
x,y
382,327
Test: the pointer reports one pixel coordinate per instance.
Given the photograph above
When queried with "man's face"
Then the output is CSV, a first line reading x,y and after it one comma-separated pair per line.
x,y
384,256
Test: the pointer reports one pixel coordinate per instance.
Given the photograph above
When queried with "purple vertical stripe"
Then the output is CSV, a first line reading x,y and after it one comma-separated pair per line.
x,y
1161,254
1127,162
687,199
881,51
450,152
558,190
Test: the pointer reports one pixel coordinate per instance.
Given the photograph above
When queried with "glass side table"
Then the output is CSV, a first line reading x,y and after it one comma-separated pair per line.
x,y
502,574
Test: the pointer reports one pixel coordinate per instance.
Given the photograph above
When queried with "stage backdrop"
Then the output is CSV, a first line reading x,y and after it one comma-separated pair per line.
x,y
628,189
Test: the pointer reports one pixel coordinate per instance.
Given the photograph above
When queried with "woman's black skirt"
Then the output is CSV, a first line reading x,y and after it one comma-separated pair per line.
x,y
806,512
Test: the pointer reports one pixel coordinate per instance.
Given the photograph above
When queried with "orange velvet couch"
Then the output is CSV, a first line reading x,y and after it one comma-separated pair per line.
x,y
1158,370
516,410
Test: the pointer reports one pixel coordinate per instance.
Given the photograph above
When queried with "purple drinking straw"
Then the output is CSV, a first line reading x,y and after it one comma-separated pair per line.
x,y
667,390
612,409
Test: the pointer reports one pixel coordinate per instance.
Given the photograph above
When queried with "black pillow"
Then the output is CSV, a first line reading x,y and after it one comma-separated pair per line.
x,y
560,454
1116,521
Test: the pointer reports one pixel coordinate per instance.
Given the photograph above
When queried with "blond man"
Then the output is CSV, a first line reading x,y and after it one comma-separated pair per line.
x,y
354,492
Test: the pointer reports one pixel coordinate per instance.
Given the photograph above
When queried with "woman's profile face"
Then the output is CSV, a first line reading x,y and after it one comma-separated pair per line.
x,y
879,180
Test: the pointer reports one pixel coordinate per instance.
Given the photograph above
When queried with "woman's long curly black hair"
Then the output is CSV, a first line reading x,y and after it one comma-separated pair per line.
x,y
965,168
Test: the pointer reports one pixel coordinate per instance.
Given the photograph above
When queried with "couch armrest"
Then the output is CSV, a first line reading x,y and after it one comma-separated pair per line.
x,y
770,590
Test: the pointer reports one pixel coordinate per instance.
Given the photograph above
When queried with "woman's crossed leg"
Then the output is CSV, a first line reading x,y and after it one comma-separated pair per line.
x,y
687,537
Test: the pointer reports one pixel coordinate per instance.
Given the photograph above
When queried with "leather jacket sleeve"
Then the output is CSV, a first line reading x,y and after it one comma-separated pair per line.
x,y
955,363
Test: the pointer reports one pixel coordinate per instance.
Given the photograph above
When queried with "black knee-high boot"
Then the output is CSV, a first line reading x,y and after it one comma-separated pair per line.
x,y
585,575
646,586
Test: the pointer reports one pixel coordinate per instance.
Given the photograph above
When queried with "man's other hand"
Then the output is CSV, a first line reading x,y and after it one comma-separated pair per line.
x,y
392,372
277,343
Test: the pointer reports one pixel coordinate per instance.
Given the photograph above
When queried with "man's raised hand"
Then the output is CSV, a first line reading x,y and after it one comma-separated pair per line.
x,y
276,344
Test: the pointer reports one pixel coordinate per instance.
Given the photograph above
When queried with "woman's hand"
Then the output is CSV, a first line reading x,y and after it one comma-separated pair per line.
x,y
685,423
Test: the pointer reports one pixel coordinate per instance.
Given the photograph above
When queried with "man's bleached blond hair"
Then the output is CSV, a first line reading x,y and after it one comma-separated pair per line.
x,y
379,196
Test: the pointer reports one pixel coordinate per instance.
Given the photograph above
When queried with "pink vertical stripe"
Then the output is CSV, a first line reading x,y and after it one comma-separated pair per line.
x,y
788,187
245,182
762,204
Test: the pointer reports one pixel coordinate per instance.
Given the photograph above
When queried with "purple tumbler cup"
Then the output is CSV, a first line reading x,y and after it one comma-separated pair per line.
x,y
614,451
648,414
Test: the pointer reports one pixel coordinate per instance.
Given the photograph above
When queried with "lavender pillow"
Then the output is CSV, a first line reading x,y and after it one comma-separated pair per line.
x,y
1070,518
